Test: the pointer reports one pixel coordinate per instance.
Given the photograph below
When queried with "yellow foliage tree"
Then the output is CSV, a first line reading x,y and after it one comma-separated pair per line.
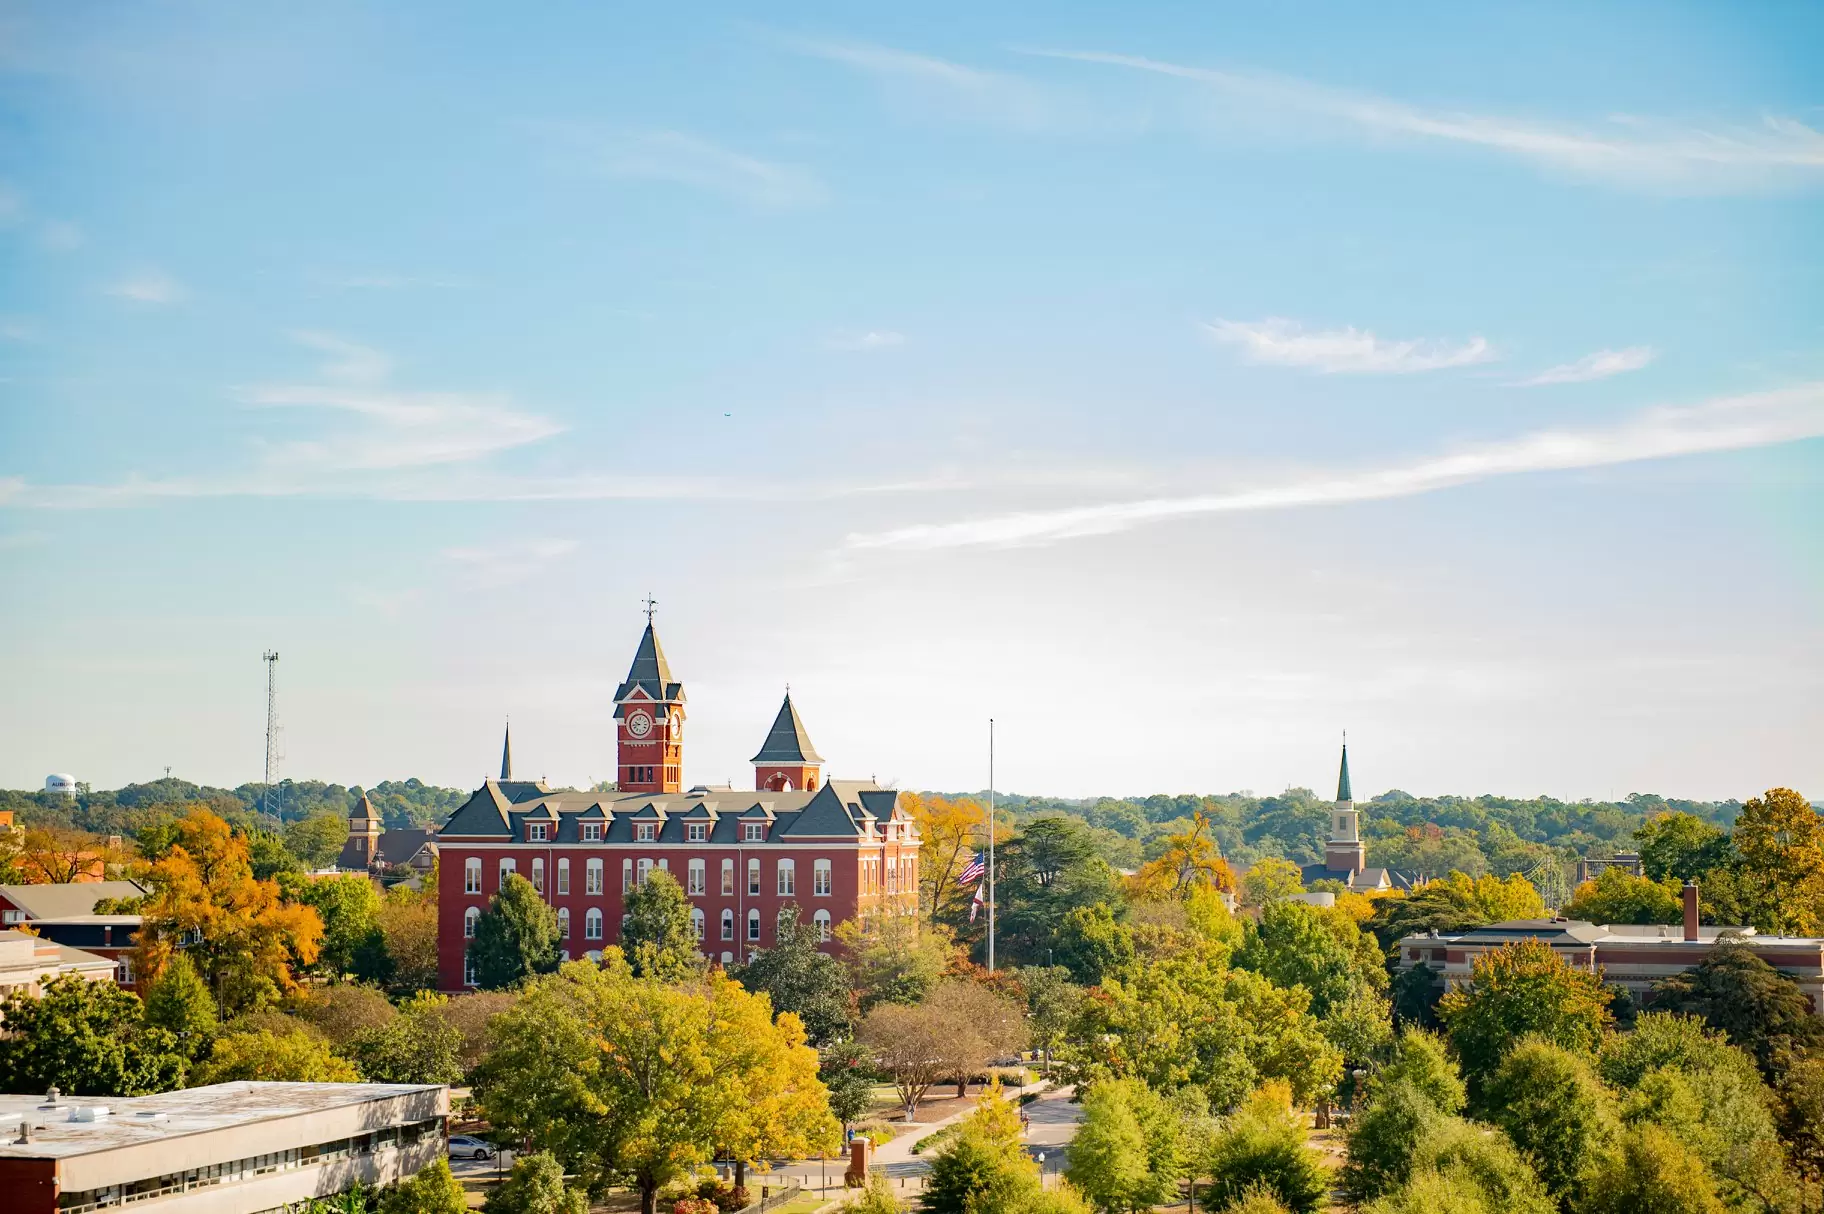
x,y
1190,861
949,832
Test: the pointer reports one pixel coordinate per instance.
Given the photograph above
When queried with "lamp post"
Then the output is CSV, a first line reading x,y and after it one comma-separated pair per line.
x,y
1041,1169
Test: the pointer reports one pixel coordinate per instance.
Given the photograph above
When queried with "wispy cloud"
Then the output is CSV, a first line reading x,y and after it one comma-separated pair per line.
x,y
873,339
1600,365
151,287
1728,424
936,84
348,360
503,564
1705,158
687,160
1348,350
59,235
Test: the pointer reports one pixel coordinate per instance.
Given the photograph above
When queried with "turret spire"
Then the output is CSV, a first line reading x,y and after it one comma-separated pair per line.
x,y
1343,791
506,753
787,760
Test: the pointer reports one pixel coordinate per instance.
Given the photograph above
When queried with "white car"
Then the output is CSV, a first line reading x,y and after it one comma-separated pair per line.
x,y
462,1146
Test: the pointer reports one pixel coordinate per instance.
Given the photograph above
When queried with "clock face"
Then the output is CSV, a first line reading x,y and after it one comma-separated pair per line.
x,y
677,724
639,724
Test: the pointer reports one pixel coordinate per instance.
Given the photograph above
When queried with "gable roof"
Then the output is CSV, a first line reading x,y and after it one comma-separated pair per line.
x,y
787,741
650,672
64,900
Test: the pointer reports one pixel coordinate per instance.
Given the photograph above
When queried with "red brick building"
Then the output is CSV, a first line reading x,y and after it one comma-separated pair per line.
x,y
833,849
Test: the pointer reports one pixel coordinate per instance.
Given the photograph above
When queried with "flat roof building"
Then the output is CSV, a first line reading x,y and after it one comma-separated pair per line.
x,y
229,1148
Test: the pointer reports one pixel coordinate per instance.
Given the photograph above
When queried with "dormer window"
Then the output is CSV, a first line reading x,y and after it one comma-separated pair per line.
x,y
592,832
755,832
696,832
535,832
645,832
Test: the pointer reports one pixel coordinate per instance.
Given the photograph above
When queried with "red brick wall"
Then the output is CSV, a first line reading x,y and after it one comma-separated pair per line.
x,y
29,1186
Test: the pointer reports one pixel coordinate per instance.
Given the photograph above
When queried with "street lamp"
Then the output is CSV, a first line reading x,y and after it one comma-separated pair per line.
x,y
1041,1169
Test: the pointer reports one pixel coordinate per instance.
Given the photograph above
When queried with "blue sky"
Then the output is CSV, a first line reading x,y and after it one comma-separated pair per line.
x,y
1179,385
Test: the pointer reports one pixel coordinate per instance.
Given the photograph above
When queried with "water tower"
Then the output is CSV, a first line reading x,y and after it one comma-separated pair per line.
x,y
61,785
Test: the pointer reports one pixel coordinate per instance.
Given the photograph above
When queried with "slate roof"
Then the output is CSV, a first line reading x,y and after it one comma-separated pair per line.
x,y
650,673
1367,878
1343,791
840,809
395,847
787,741
364,811
67,900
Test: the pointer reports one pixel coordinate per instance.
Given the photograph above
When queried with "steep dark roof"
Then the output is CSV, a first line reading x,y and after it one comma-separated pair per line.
x,y
395,847
364,811
650,672
787,741
506,754
840,808
1343,791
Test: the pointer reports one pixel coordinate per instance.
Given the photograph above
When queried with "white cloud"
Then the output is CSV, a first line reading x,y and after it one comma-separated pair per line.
x,y
1637,150
349,360
401,429
937,83
873,339
1343,351
151,287
1728,424
687,160
504,564
1600,365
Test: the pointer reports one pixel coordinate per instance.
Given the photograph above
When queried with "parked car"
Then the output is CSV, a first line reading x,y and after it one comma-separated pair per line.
x,y
462,1146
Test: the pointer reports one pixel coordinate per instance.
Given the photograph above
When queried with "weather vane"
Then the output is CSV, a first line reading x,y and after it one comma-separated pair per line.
x,y
652,605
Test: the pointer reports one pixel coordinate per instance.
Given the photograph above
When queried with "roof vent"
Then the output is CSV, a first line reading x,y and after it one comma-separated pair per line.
x,y
89,1112
152,1115
51,1096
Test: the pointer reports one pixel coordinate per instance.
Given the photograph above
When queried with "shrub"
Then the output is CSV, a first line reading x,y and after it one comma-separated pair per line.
x,y
693,1205
735,1198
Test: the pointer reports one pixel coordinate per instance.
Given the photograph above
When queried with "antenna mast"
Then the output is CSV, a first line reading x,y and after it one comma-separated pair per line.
x,y
271,658
991,845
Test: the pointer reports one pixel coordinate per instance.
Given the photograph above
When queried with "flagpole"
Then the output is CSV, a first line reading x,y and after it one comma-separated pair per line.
x,y
991,845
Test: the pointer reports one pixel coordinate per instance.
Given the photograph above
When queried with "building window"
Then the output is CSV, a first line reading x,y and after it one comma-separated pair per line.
x,y
728,924
699,879
754,832
696,832
563,874
535,832
592,832
645,832
592,924
471,875
820,878
123,969
468,970
506,870
538,873
641,871
696,922
470,918
753,875
822,922
753,925
592,878
626,875
728,877
563,923
788,878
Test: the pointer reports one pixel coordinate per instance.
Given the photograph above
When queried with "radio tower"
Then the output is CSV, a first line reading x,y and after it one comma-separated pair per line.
x,y
271,657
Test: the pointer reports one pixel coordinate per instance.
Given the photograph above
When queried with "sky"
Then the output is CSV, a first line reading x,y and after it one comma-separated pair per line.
x,y
1179,385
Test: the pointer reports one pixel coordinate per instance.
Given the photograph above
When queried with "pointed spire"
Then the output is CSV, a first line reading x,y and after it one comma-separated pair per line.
x,y
1343,791
364,811
506,753
787,741
650,670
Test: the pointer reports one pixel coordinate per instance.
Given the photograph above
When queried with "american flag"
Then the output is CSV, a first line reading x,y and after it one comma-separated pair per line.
x,y
973,870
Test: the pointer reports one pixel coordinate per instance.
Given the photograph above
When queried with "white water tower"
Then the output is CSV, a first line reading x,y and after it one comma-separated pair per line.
x,y
61,785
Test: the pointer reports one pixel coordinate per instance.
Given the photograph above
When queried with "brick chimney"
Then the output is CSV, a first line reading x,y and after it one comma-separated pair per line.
x,y
1690,896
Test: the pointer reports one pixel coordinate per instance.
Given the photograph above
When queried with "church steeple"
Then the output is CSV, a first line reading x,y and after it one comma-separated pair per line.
x,y
1344,851
787,760
506,753
649,706
1343,791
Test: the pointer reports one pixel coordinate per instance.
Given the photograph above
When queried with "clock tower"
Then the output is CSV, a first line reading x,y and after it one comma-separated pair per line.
x,y
649,716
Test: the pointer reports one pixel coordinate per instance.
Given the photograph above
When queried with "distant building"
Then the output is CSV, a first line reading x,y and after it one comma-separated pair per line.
x,y
28,962
1627,861
1345,854
1629,956
229,1148
66,914
371,849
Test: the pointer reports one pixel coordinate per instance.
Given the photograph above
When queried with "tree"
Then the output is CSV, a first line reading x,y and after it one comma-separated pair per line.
x,y
179,1002
1431,1192
349,906
1046,871
1649,1171
846,1069
1777,884
891,960
536,1186
1754,1005
877,1198
299,1055
1384,1138
401,954
1090,943
1188,860
982,1167
416,1046
1263,1146
241,936
1292,945
983,1026
56,855
515,938
1549,1101
1128,1155
801,978
1517,990
912,1045
947,834
1053,1003
1270,880
1618,896
1454,904
1680,847
1420,1059
470,1015
318,839
628,1079
434,1190
1472,1157
87,1039
657,935
268,856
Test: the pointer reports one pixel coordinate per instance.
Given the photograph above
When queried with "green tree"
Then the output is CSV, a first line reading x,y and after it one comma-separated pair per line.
x,y
1618,896
1421,1059
515,938
1431,1192
1046,871
268,856
1680,847
1269,881
536,1186
318,839
1549,1101
1128,1155
416,1046
893,959
1454,904
1292,945
1753,1004
434,1190
1470,1156
1651,1170
1090,943
657,935
86,1039
800,977
1263,1146
349,907
1053,1004
1518,990
1777,882
266,1054
179,1002
983,1166
341,1012
846,1069
1384,1138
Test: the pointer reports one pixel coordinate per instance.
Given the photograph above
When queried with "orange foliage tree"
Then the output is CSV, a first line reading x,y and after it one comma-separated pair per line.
x,y
949,833
1190,860
56,855
243,938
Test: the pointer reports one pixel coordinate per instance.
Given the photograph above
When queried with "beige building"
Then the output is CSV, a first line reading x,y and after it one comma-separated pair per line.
x,y
230,1148
27,962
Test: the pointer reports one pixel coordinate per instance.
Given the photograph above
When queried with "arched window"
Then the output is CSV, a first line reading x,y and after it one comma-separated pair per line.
x,y
468,970
696,921
728,924
788,878
728,878
820,879
644,867
538,873
699,882
592,924
471,875
563,874
593,878
753,924
470,918
506,870
822,921
753,874
563,923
